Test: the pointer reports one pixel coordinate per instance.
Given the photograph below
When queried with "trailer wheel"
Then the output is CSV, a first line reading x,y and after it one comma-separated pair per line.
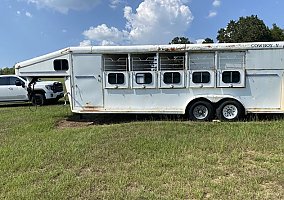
x,y
38,99
201,111
230,111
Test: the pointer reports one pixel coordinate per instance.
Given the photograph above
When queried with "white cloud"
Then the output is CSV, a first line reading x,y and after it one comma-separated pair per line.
x,y
114,3
216,3
28,14
199,41
154,21
64,6
85,43
212,14
106,35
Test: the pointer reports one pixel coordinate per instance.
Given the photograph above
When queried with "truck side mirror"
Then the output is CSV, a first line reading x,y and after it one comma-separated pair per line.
x,y
19,83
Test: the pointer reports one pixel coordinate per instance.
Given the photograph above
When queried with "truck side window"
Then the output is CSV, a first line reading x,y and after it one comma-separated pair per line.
x,y
4,81
14,79
171,77
143,78
201,77
231,77
116,78
60,65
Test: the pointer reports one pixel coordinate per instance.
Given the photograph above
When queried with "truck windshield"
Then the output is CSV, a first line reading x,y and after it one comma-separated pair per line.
x,y
23,78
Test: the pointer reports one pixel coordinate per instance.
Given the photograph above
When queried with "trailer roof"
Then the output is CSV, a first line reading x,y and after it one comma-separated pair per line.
x,y
153,48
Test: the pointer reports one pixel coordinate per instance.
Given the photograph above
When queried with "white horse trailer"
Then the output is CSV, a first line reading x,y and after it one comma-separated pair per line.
x,y
200,80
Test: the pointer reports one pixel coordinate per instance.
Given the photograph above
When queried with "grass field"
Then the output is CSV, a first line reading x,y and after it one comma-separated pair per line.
x,y
45,153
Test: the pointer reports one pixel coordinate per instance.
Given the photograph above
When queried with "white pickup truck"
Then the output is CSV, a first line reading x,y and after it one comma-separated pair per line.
x,y
15,88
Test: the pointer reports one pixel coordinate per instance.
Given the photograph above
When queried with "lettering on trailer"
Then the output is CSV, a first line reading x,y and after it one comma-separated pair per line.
x,y
266,46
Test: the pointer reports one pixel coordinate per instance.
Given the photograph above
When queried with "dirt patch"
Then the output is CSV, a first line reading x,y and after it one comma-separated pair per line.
x,y
71,124
89,120
108,119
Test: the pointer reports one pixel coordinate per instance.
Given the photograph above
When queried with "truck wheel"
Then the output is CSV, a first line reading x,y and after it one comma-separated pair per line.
x,y
200,111
38,100
230,111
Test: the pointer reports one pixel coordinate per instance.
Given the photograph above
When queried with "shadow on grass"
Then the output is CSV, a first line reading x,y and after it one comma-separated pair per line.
x,y
101,119
106,119
264,117
14,104
25,104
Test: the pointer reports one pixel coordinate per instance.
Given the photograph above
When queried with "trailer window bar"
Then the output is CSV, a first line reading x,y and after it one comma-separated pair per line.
x,y
144,62
232,60
202,61
115,62
172,61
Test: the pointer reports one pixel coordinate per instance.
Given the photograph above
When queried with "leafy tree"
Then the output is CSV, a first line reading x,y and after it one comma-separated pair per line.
x,y
6,70
277,34
208,41
180,40
246,29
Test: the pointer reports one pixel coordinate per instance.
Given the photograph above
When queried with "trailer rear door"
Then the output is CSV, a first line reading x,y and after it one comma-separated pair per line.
x,y
87,81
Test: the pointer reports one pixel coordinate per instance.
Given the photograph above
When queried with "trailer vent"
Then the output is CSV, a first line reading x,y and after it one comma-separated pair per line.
x,y
116,62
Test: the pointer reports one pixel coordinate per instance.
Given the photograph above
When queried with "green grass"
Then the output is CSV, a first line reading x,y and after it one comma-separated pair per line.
x,y
144,159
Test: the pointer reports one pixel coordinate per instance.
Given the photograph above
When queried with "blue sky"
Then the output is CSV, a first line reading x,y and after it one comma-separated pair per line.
x,y
31,28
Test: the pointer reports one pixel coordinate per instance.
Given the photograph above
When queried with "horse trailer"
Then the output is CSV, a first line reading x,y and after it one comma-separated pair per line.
x,y
200,80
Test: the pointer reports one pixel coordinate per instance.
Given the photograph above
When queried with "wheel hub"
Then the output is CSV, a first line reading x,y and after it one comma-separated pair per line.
x,y
200,112
230,111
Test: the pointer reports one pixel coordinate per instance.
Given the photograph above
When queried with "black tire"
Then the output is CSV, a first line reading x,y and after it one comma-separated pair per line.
x,y
38,99
230,111
201,111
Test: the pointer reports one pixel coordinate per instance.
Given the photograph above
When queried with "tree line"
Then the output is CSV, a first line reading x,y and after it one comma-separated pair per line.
x,y
246,29
7,70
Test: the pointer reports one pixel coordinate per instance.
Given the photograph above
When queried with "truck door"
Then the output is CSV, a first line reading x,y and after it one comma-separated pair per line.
x,y
87,81
9,91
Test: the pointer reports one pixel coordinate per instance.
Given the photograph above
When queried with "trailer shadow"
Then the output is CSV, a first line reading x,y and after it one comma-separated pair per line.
x,y
82,120
107,119
264,117
14,105
79,120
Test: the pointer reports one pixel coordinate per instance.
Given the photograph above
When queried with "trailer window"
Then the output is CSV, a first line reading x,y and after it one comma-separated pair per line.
x,y
172,61
171,77
202,61
115,62
231,77
60,65
201,77
144,62
231,60
116,78
143,78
